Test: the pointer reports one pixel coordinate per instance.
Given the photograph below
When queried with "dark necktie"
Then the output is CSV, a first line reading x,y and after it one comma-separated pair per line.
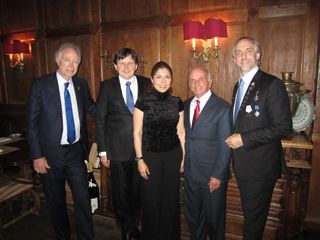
x,y
71,132
129,97
238,101
196,113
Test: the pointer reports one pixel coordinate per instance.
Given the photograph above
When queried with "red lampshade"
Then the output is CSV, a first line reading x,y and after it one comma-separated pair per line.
x,y
193,29
8,48
20,47
215,28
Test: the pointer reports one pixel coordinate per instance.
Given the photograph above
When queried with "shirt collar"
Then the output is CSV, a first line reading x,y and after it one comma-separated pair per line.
x,y
249,76
123,81
204,98
62,81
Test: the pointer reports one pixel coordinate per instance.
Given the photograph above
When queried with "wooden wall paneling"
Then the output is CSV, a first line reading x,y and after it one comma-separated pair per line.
x,y
289,41
190,6
282,46
17,16
2,77
69,13
123,10
178,58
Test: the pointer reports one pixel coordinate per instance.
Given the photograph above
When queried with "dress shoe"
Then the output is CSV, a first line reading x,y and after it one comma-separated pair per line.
x,y
136,234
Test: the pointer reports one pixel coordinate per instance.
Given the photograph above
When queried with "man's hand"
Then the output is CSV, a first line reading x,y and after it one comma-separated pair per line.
x,y
41,165
234,141
214,184
105,161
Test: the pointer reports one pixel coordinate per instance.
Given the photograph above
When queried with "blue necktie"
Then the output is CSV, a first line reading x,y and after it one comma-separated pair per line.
x,y
238,101
129,96
71,134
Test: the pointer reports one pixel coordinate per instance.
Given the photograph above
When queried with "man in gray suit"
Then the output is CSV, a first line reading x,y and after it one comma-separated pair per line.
x,y
206,160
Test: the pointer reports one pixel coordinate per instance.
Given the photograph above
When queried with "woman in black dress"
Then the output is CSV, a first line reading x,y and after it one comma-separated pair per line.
x,y
159,137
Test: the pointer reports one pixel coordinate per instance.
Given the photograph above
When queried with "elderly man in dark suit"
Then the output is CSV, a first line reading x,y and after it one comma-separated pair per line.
x,y
115,138
260,118
206,160
57,136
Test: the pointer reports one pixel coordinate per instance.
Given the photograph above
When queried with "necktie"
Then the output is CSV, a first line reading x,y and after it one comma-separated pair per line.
x,y
196,113
71,132
238,101
129,97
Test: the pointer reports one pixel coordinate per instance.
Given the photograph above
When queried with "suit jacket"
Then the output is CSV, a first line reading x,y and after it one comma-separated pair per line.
x,y
114,120
44,117
264,118
206,152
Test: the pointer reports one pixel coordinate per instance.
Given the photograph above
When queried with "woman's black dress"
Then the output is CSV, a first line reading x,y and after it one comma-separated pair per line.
x,y
163,154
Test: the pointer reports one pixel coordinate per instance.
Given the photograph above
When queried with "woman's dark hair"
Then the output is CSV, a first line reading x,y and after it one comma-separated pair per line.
x,y
160,65
125,52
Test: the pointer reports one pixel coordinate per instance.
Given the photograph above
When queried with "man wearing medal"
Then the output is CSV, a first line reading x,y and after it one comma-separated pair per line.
x,y
261,117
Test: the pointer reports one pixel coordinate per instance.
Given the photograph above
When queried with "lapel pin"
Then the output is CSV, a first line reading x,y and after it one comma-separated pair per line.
x,y
256,97
256,108
248,109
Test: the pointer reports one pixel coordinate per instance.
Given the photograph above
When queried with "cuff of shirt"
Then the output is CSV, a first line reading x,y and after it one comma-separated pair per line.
x,y
102,154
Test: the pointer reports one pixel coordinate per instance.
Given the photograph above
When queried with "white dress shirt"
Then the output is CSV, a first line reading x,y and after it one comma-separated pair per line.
x,y
61,82
133,87
203,100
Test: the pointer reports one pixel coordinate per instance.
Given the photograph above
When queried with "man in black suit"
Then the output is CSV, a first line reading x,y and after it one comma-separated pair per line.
x,y
261,117
115,138
206,160
57,136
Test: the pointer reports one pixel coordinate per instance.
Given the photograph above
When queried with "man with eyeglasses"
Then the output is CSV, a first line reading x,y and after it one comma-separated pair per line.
x,y
260,118
115,138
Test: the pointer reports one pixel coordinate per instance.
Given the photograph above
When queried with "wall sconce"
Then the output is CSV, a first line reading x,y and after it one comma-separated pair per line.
x,y
211,30
108,60
15,51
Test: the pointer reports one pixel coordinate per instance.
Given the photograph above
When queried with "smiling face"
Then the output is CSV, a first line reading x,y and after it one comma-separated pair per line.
x,y
199,82
68,63
126,67
246,56
161,80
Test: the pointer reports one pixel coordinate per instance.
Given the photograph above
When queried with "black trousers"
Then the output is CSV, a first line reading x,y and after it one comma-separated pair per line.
x,y
205,212
160,196
74,171
126,194
255,201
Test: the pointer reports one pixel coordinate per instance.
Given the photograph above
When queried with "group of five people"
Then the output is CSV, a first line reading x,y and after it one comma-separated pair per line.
x,y
148,137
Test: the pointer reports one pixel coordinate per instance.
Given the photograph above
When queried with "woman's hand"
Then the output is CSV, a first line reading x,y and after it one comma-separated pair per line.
x,y
143,169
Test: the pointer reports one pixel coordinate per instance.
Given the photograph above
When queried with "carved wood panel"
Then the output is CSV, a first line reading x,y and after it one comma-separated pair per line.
x,y
19,15
189,6
123,10
70,13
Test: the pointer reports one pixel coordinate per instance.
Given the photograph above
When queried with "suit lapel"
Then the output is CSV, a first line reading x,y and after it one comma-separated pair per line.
x,y
117,89
77,90
54,95
251,92
187,114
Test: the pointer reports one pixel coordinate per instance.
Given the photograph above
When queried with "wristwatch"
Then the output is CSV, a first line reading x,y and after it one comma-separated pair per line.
x,y
138,158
